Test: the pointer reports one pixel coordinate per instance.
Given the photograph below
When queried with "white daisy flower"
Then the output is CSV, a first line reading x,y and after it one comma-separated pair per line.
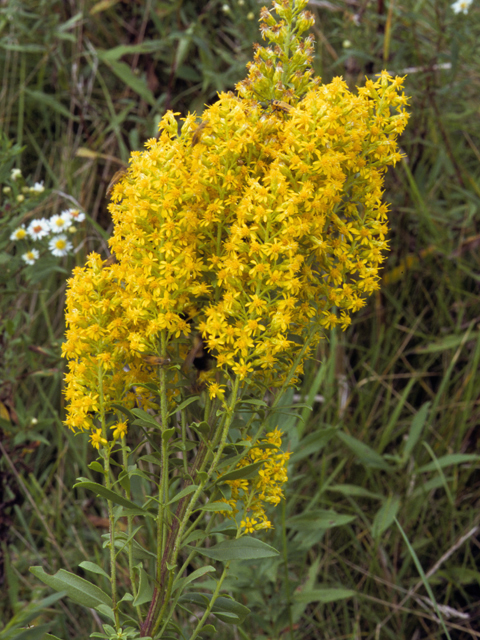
x,y
37,187
31,256
39,228
60,223
60,246
15,173
76,215
461,6
19,234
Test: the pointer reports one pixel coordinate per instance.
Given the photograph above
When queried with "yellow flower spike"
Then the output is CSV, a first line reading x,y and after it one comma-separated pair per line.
x,y
269,228
266,487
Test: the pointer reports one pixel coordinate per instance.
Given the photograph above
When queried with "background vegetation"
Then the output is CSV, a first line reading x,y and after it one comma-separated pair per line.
x,y
393,430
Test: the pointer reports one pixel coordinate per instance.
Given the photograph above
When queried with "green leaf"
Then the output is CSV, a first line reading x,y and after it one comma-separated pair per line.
x,y
323,595
385,516
106,611
149,46
353,490
244,548
203,428
145,590
145,417
49,101
184,404
209,628
249,471
139,552
167,434
152,459
77,589
48,636
446,461
416,429
319,519
198,573
33,633
122,409
367,456
194,536
96,466
434,483
225,609
202,476
200,599
423,577
110,495
215,506
227,528
258,403
93,568
103,5
184,492
126,75
313,443
448,342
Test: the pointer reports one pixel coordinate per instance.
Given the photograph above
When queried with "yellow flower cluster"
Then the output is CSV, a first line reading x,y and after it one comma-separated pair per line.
x,y
102,367
257,227
252,495
262,228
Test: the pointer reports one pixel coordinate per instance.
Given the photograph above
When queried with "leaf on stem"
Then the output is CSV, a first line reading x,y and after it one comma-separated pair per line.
x,y
215,506
93,568
111,495
244,548
323,595
184,405
145,590
225,609
184,492
249,471
77,589
198,573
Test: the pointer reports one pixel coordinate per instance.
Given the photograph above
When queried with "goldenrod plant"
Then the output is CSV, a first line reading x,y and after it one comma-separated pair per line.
x,y
238,240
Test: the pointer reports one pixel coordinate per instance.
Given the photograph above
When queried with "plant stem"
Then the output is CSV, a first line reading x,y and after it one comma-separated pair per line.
x,y
111,516
208,610
285,562
163,488
130,535
162,591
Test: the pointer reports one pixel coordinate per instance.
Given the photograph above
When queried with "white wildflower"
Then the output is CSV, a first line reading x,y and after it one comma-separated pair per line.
x,y
76,215
461,6
19,234
37,187
31,256
60,246
39,228
59,223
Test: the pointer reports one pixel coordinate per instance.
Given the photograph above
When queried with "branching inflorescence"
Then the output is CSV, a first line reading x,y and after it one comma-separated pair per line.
x,y
254,230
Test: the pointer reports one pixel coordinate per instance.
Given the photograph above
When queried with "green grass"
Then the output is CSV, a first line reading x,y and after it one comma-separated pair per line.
x,y
394,435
